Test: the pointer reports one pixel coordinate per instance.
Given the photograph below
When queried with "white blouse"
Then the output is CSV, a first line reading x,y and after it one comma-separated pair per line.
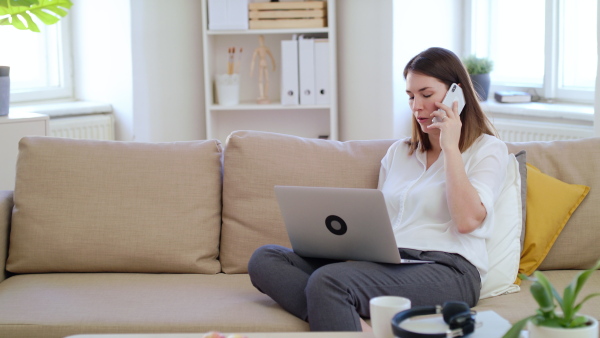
x,y
416,198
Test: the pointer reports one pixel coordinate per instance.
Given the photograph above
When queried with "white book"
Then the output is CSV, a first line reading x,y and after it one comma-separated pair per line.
x,y
289,72
306,70
512,96
322,71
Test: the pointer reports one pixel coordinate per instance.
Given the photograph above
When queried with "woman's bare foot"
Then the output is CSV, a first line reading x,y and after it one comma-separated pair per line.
x,y
365,327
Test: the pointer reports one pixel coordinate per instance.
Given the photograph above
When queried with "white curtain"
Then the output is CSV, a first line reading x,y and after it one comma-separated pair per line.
x,y
597,105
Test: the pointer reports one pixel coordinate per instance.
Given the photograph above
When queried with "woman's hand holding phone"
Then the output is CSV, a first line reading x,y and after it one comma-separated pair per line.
x,y
454,94
447,117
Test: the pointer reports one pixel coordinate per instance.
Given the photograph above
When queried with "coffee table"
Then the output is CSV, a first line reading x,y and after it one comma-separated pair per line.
x,y
249,335
490,325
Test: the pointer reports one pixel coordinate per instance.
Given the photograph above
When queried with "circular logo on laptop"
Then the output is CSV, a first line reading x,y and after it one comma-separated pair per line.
x,y
336,225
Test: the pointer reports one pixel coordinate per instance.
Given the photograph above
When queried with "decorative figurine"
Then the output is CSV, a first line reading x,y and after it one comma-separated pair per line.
x,y
263,70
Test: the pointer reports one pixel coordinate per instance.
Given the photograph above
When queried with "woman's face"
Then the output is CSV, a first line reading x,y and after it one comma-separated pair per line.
x,y
423,91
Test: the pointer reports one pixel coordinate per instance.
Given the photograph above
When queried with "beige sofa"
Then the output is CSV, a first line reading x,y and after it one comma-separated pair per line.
x,y
103,237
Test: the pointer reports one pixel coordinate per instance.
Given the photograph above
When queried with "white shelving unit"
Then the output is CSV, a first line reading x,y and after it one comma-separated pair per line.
x,y
311,121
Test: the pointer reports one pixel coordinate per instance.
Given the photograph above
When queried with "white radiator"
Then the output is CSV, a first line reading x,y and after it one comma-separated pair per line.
x,y
524,131
92,127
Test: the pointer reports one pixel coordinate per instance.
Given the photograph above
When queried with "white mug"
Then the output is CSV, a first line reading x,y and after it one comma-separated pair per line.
x,y
383,310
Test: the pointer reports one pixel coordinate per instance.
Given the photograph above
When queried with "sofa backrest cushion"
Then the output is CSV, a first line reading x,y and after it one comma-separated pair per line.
x,y
573,162
105,206
254,162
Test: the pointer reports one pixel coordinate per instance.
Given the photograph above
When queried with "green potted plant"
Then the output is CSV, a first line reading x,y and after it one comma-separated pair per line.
x,y
547,322
479,69
18,13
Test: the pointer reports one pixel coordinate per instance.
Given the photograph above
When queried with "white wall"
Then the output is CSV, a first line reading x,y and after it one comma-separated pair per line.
x,y
597,96
145,59
417,28
167,70
365,83
373,49
102,58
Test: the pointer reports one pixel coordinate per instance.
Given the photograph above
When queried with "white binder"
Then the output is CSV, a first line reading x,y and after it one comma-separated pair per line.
x,y
306,70
289,72
322,71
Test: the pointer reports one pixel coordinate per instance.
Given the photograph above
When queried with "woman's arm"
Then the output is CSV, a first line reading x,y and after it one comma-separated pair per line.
x,y
464,203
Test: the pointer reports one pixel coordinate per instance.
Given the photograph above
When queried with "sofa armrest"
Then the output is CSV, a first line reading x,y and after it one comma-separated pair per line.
x,y
6,205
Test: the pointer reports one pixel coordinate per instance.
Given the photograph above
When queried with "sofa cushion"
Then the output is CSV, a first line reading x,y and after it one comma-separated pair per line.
x,y
104,206
254,162
59,305
551,203
504,245
573,162
522,159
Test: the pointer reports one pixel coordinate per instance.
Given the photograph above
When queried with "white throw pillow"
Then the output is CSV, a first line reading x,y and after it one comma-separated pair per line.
x,y
504,247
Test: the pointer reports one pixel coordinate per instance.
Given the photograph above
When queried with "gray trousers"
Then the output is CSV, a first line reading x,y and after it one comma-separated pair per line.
x,y
332,295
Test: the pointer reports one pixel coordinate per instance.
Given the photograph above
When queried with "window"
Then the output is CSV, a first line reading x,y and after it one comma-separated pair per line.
x,y
40,63
545,47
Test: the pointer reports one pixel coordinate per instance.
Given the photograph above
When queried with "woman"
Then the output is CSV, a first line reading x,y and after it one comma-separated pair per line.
x,y
440,186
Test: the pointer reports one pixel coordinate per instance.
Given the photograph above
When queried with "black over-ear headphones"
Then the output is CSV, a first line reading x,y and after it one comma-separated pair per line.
x,y
458,316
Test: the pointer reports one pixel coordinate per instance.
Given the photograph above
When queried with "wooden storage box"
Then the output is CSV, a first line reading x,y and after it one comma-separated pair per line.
x,y
281,15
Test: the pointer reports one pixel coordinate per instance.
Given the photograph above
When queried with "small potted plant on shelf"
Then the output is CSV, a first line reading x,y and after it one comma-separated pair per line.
x,y
549,323
479,69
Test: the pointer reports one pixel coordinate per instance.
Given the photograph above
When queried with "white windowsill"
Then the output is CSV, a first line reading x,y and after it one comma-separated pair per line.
x,y
63,109
566,111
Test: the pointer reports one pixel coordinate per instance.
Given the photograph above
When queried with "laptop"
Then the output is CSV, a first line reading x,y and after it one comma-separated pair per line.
x,y
339,223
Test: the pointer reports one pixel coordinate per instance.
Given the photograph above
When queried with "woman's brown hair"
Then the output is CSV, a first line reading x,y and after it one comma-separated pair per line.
x,y
445,66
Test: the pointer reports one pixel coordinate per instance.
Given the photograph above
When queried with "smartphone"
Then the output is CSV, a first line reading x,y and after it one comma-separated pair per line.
x,y
455,93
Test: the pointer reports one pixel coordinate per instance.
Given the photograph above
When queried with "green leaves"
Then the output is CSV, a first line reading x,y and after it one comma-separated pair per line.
x,y
20,13
515,330
477,65
547,297
543,296
577,284
16,3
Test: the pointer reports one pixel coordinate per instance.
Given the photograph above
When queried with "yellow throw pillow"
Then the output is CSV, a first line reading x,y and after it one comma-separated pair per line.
x,y
550,204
